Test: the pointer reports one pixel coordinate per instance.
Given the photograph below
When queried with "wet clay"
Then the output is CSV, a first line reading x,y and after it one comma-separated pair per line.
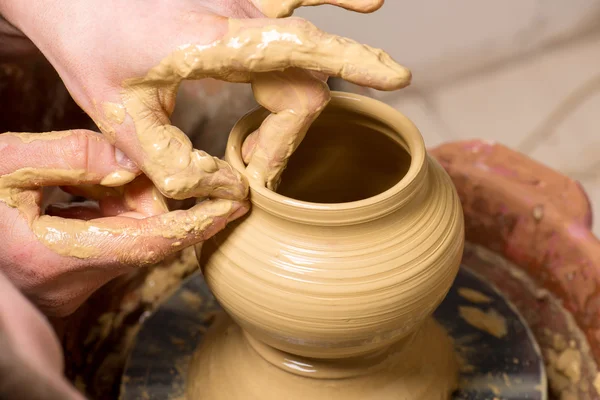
x,y
77,238
117,178
87,239
488,321
399,373
268,55
339,281
474,296
249,52
285,8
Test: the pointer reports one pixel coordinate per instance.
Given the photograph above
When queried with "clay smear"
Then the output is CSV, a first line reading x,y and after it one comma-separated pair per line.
x,y
117,178
491,321
285,8
32,137
268,54
473,296
253,52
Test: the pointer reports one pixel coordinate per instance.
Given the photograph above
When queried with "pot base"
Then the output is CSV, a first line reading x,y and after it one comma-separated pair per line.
x,y
510,368
230,365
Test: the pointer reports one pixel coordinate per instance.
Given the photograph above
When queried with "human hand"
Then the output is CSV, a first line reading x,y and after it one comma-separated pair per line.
x,y
59,259
31,359
124,60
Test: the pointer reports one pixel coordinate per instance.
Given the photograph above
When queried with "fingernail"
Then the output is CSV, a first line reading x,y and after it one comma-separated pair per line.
x,y
124,161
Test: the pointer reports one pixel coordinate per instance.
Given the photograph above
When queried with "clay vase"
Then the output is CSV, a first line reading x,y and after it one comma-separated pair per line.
x,y
329,285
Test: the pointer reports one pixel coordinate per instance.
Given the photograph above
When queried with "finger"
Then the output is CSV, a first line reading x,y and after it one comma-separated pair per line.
x,y
166,154
250,46
295,98
265,45
121,241
285,8
32,160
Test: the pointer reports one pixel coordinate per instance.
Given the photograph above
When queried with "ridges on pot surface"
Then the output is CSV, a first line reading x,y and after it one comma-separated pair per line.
x,y
341,278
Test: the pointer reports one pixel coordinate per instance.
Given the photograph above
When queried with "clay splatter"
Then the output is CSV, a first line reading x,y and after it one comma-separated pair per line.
x,y
473,296
491,321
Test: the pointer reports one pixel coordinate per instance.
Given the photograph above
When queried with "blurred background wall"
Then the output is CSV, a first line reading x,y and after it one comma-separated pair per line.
x,y
523,73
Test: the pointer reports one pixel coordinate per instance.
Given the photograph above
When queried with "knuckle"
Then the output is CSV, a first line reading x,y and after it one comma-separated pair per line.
x,y
76,149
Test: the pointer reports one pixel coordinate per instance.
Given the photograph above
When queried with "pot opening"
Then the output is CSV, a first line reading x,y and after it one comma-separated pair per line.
x,y
342,160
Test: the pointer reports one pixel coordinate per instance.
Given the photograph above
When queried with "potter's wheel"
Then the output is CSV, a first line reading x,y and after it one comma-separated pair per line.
x,y
508,368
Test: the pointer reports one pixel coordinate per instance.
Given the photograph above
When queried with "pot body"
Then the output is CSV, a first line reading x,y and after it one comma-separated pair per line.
x,y
333,280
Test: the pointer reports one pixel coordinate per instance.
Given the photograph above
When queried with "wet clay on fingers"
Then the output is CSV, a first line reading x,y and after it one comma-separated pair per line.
x,y
267,53
288,56
285,8
339,268
401,372
151,238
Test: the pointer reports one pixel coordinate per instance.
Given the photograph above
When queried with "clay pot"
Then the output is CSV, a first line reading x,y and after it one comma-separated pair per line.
x,y
357,249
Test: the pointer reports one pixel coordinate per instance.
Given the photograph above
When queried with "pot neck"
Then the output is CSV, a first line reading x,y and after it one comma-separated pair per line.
x,y
364,111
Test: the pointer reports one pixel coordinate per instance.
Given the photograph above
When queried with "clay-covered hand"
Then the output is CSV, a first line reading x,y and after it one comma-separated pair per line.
x,y
60,256
123,62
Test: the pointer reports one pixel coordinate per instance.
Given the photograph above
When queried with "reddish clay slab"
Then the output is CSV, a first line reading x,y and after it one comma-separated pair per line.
x,y
538,222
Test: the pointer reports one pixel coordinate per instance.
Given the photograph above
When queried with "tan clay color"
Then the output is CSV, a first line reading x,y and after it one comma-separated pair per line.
x,y
270,55
285,8
473,296
397,373
249,52
347,276
491,321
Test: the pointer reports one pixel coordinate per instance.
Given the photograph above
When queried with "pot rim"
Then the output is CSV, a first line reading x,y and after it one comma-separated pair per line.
x,y
359,211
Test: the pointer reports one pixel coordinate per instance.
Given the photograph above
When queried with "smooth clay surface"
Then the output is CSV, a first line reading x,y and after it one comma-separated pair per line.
x,y
344,278
398,373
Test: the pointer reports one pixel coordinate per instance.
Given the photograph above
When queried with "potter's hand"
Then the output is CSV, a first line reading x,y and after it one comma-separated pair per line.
x,y
123,62
31,360
60,258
